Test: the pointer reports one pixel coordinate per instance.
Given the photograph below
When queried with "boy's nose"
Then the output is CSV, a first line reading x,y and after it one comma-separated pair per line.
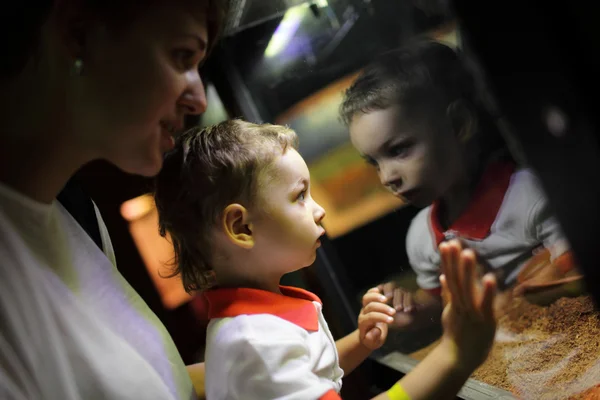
x,y
392,182
394,186
319,213
390,178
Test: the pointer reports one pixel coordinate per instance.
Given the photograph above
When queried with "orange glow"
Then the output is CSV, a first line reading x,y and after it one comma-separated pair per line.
x,y
155,250
341,181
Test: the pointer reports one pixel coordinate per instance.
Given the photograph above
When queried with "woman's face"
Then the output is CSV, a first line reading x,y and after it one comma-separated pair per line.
x,y
137,84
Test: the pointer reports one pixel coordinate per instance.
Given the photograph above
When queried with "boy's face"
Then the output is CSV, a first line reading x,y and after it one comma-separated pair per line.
x,y
288,229
416,153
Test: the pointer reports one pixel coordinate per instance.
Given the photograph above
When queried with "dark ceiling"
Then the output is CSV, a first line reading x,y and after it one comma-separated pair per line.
x,y
337,38
247,13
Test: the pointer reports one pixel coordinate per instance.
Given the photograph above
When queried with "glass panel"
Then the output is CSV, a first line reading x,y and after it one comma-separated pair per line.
x,y
297,67
453,166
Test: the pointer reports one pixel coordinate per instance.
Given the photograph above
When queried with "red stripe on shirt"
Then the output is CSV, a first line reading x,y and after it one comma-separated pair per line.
x,y
330,395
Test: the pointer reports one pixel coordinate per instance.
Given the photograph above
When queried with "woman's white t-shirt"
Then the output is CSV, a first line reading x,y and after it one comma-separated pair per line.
x,y
71,327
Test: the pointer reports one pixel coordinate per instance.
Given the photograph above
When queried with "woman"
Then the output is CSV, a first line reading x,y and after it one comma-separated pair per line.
x,y
88,79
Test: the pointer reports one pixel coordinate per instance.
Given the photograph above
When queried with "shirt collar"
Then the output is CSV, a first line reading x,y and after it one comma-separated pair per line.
x,y
476,221
293,304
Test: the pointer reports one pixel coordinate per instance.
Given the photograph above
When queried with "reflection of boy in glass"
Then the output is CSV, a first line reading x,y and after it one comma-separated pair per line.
x,y
414,114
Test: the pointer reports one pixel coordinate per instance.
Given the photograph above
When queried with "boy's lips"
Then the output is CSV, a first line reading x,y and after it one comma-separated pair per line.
x,y
319,238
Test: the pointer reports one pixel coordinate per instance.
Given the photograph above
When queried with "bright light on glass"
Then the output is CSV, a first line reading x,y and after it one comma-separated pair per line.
x,y
288,27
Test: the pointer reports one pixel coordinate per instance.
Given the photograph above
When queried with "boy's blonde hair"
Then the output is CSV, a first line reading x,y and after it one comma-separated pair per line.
x,y
207,170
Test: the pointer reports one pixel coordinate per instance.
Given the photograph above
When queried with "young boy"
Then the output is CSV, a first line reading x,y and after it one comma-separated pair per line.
x,y
414,114
235,199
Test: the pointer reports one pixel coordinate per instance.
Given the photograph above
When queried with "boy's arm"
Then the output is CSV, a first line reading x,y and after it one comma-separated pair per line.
x,y
372,331
469,330
351,352
438,376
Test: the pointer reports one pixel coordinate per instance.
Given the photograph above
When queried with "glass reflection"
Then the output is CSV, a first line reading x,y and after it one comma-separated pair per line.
x,y
431,141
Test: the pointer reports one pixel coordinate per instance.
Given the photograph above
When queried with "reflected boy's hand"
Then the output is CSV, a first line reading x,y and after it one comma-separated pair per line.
x,y
373,319
402,300
468,318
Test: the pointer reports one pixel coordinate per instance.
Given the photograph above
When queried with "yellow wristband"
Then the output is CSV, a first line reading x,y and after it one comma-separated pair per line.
x,y
397,393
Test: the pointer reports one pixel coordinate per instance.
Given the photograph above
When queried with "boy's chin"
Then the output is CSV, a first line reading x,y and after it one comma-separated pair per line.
x,y
421,204
417,202
422,199
309,262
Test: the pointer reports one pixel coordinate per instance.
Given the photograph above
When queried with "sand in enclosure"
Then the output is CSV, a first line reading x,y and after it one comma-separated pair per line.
x,y
544,352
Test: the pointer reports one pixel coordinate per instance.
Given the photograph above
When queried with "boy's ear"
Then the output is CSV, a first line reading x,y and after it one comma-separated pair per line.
x,y
237,227
463,119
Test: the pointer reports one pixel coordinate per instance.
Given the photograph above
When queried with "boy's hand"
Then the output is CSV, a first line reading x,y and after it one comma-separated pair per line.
x,y
373,319
468,319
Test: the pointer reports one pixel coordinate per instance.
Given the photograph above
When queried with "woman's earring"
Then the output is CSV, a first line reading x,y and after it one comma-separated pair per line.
x,y
78,67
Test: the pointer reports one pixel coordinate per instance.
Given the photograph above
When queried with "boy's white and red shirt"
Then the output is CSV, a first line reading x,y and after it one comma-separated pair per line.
x,y
507,220
265,345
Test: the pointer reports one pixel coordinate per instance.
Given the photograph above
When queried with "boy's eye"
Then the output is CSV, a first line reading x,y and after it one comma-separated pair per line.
x,y
401,150
370,161
302,195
